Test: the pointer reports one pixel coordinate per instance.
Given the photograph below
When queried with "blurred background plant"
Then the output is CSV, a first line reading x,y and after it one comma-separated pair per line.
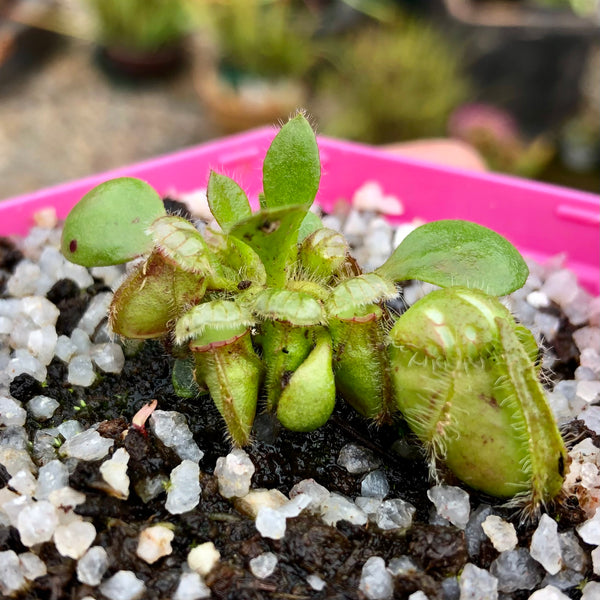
x,y
393,81
513,88
139,25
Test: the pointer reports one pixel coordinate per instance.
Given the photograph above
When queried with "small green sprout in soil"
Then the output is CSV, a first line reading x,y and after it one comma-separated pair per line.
x,y
272,309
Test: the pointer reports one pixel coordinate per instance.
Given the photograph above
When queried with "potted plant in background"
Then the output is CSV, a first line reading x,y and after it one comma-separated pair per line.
x,y
388,95
262,50
140,37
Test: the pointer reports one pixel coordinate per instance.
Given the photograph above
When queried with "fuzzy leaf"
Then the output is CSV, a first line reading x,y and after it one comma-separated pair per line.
x,y
227,201
292,169
310,224
359,291
297,308
454,252
108,225
272,234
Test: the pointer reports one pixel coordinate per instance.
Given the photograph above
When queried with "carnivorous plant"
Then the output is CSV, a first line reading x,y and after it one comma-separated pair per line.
x,y
269,307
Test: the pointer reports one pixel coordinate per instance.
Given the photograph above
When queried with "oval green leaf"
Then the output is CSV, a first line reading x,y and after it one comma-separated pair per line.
x,y
454,252
108,225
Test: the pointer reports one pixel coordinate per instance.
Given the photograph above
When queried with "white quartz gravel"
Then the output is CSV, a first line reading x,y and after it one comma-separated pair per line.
x,y
41,505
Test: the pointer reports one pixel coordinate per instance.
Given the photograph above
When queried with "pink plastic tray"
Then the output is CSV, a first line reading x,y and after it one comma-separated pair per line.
x,y
541,220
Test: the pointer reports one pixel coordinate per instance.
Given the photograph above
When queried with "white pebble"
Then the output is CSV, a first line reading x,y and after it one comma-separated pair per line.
x,y
41,343
375,485
65,349
292,508
36,523
123,585
32,566
23,482
234,473
81,340
589,531
74,539
357,460
451,503
548,593
587,337
203,558
501,533
394,514
81,371
263,565
191,586
42,407
545,545
270,523
173,431
184,488
316,583
92,566
596,560
11,412
11,576
538,299
154,543
477,584
24,362
254,500
315,491
88,445
591,591
108,357
114,472
376,581
95,312
588,391
337,508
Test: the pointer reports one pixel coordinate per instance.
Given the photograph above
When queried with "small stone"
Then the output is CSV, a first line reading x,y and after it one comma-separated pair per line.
x,y
375,485
394,514
149,488
81,371
52,476
370,197
418,595
337,508
254,500
40,310
123,585
12,504
11,412
560,286
108,357
191,586
92,566
42,407
538,299
23,482
590,358
74,539
316,583
402,565
587,337
369,506
24,362
11,576
376,582
565,579
203,558
41,343
65,349
36,523
589,531
450,588
292,508
588,391
477,584
573,555
315,491
263,565
548,325
270,523
184,488
591,591
516,570
70,428
172,429
154,543
596,560
16,460
548,593
32,566
545,545
591,417
81,340
451,503
66,499
501,533
96,312
89,445
357,460
114,472
234,473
